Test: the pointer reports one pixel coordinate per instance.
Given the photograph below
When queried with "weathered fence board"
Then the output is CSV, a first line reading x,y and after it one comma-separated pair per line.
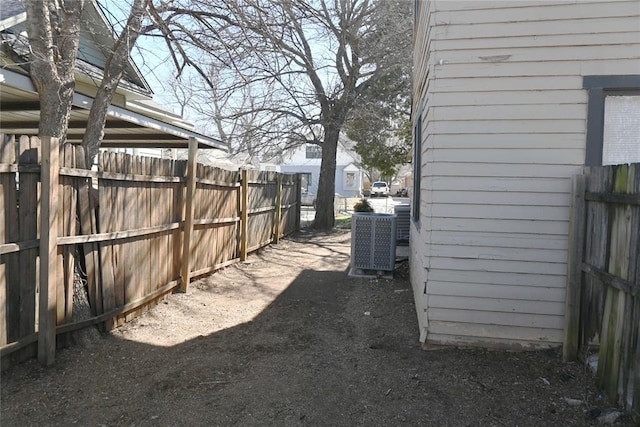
x,y
126,222
609,313
9,265
28,197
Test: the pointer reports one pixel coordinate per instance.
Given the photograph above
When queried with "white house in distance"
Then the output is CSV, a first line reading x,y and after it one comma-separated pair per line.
x,y
511,100
306,159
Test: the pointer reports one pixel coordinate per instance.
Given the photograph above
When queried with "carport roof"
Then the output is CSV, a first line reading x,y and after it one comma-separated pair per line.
x,y
126,127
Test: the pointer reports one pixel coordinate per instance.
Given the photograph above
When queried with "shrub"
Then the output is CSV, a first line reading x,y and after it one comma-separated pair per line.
x,y
362,206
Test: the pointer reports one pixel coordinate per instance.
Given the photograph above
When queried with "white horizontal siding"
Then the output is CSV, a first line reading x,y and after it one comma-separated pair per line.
x,y
472,277
536,69
512,97
577,25
500,226
513,212
489,334
498,184
500,170
507,141
540,156
535,54
504,122
555,11
475,83
483,197
493,253
498,240
499,126
542,40
522,294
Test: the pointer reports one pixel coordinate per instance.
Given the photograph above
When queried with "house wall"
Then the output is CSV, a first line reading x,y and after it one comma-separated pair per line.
x,y
295,161
315,176
499,89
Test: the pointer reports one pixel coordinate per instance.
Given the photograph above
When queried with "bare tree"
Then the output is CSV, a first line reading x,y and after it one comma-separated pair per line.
x,y
53,29
113,72
304,63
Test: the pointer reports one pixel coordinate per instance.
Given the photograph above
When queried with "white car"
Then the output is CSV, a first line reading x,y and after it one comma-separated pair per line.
x,y
379,188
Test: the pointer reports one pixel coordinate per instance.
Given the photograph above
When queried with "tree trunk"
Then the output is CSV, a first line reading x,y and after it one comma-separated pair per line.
x,y
325,219
114,69
54,49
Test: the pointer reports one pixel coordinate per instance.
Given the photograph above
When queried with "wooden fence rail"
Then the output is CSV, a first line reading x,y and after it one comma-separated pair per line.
x,y
137,227
603,296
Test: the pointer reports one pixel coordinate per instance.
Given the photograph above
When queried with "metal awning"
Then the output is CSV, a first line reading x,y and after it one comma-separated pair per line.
x,y
125,128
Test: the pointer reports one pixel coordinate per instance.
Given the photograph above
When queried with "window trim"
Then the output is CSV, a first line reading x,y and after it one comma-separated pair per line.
x,y
599,87
417,168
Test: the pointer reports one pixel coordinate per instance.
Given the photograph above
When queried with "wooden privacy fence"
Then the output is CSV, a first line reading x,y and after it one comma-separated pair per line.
x,y
603,296
151,225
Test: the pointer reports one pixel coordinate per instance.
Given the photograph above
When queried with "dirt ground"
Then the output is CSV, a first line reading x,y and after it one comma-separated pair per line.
x,y
288,339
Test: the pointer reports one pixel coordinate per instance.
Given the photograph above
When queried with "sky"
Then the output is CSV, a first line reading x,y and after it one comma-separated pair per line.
x,y
150,55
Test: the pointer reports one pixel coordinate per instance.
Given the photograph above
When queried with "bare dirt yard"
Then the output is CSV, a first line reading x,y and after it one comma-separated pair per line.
x,y
288,339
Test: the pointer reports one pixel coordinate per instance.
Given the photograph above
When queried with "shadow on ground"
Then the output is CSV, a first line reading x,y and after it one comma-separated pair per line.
x,y
310,347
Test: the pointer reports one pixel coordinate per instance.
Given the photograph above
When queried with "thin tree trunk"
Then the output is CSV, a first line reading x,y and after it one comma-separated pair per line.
x,y
113,72
325,218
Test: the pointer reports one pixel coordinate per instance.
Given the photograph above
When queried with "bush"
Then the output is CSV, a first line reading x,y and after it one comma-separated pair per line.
x,y
362,206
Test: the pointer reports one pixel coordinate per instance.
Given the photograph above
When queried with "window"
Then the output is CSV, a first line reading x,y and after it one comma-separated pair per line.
x,y
621,133
350,182
305,180
613,120
313,151
417,168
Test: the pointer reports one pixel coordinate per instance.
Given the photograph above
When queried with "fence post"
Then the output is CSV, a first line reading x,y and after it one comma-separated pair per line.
x,y
188,220
298,200
574,271
276,225
244,215
49,176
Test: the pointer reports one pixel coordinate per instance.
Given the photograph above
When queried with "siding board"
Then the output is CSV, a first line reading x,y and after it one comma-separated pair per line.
x,y
513,98
499,266
497,304
537,69
506,126
490,184
535,54
492,334
474,83
481,290
526,213
541,40
500,240
532,28
463,251
496,198
447,223
501,170
534,12
496,278
521,156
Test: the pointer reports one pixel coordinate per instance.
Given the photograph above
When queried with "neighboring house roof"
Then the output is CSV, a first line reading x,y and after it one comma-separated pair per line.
x,y
133,119
11,12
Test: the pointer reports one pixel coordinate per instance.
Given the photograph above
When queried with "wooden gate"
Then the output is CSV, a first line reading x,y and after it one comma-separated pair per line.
x,y
603,296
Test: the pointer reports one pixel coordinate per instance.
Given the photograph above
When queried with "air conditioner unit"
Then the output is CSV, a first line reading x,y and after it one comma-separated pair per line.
x,y
373,243
403,212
